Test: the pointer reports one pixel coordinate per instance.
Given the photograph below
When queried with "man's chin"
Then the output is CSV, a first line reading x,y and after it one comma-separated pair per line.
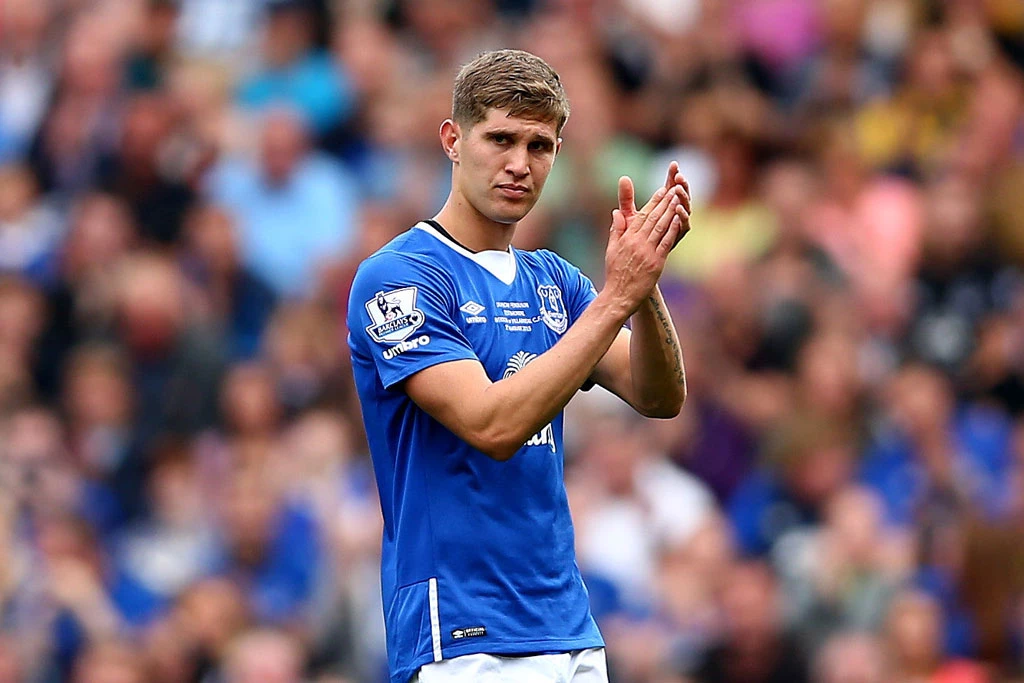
x,y
510,215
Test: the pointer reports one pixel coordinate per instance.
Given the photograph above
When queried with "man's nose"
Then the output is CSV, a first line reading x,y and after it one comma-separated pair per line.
x,y
517,162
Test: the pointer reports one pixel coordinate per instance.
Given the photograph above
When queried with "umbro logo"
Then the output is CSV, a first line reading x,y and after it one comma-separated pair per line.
x,y
473,632
472,310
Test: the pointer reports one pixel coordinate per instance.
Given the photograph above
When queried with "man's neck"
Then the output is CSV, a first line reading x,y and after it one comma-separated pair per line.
x,y
471,229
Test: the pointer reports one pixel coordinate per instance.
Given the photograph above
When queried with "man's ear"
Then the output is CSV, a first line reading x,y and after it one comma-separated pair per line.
x,y
558,146
450,136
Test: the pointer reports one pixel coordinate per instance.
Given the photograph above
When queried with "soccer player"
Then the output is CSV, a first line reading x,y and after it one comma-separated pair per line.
x,y
465,351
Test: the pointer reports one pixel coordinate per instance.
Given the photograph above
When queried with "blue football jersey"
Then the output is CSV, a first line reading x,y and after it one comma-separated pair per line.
x,y
478,555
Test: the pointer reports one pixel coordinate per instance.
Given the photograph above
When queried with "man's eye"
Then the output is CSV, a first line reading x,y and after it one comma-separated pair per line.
x,y
500,139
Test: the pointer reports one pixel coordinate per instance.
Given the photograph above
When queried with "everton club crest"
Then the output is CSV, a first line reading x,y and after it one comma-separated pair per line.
x,y
394,315
552,308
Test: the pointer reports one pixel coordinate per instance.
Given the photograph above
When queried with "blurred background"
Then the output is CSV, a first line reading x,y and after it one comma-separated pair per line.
x,y
186,187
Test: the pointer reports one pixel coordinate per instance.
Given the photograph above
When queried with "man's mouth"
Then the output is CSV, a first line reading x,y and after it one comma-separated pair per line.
x,y
513,191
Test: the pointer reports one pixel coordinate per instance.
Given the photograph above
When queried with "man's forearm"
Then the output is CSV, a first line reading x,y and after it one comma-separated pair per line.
x,y
656,359
537,393
498,417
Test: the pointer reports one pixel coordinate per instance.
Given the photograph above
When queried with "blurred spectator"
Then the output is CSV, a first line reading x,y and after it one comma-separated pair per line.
x,y
851,658
238,299
638,504
268,546
290,180
845,72
912,131
26,74
779,35
735,225
151,56
100,407
914,639
82,297
40,477
959,283
174,544
136,173
294,73
30,231
177,363
80,126
810,461
308,366
708,438
111,662
754,647
841,577
69,600
856,212
934,461
263,657
222,30
21,322
209,615
325,473
687,618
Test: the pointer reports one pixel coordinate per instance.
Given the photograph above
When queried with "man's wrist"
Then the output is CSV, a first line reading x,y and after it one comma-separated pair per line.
x,y
615,308
653,299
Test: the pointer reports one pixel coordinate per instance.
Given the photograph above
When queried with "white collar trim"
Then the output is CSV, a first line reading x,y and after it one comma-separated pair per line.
x,y
500,264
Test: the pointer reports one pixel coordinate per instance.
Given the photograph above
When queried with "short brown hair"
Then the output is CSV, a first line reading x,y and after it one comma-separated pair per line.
x,y
515,80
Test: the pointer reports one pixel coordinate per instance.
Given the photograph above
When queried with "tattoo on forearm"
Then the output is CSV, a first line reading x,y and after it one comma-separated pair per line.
x,y
670,339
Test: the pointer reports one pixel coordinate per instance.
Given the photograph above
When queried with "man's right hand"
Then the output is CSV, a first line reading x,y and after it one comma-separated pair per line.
x,y
638,246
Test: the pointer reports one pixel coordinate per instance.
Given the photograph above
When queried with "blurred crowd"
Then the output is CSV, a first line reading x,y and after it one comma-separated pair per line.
x,y
186,187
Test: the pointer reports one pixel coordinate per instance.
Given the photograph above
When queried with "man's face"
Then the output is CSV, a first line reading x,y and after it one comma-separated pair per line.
x,y
282,147
503,162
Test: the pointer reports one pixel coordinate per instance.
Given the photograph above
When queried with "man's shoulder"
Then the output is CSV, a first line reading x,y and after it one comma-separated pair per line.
x,y
410,249
410,259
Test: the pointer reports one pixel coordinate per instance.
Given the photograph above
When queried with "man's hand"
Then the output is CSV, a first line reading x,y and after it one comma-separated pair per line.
x,y
644,365
627,194
639,245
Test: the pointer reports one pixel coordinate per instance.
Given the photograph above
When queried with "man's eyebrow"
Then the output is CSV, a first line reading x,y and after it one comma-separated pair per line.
x,y
537,137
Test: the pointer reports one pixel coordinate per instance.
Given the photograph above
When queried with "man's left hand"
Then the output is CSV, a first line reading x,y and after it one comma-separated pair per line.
x,y
627,198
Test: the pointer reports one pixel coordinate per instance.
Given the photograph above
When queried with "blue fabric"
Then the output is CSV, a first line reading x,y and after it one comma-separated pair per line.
x,y
287,231
137,604
496,536
281,586
253,304
314,85
761,511
284,584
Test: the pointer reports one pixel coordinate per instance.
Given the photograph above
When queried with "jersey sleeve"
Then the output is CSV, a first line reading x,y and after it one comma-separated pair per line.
x,y
400,315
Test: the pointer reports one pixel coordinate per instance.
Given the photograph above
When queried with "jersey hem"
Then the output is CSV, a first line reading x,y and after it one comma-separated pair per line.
x,y
518,647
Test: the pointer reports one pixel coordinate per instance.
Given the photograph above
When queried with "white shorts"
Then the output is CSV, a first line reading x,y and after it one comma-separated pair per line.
x,y
579,666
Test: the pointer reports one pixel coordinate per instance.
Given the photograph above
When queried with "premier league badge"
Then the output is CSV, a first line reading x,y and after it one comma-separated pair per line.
x,y
394,315
552,308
